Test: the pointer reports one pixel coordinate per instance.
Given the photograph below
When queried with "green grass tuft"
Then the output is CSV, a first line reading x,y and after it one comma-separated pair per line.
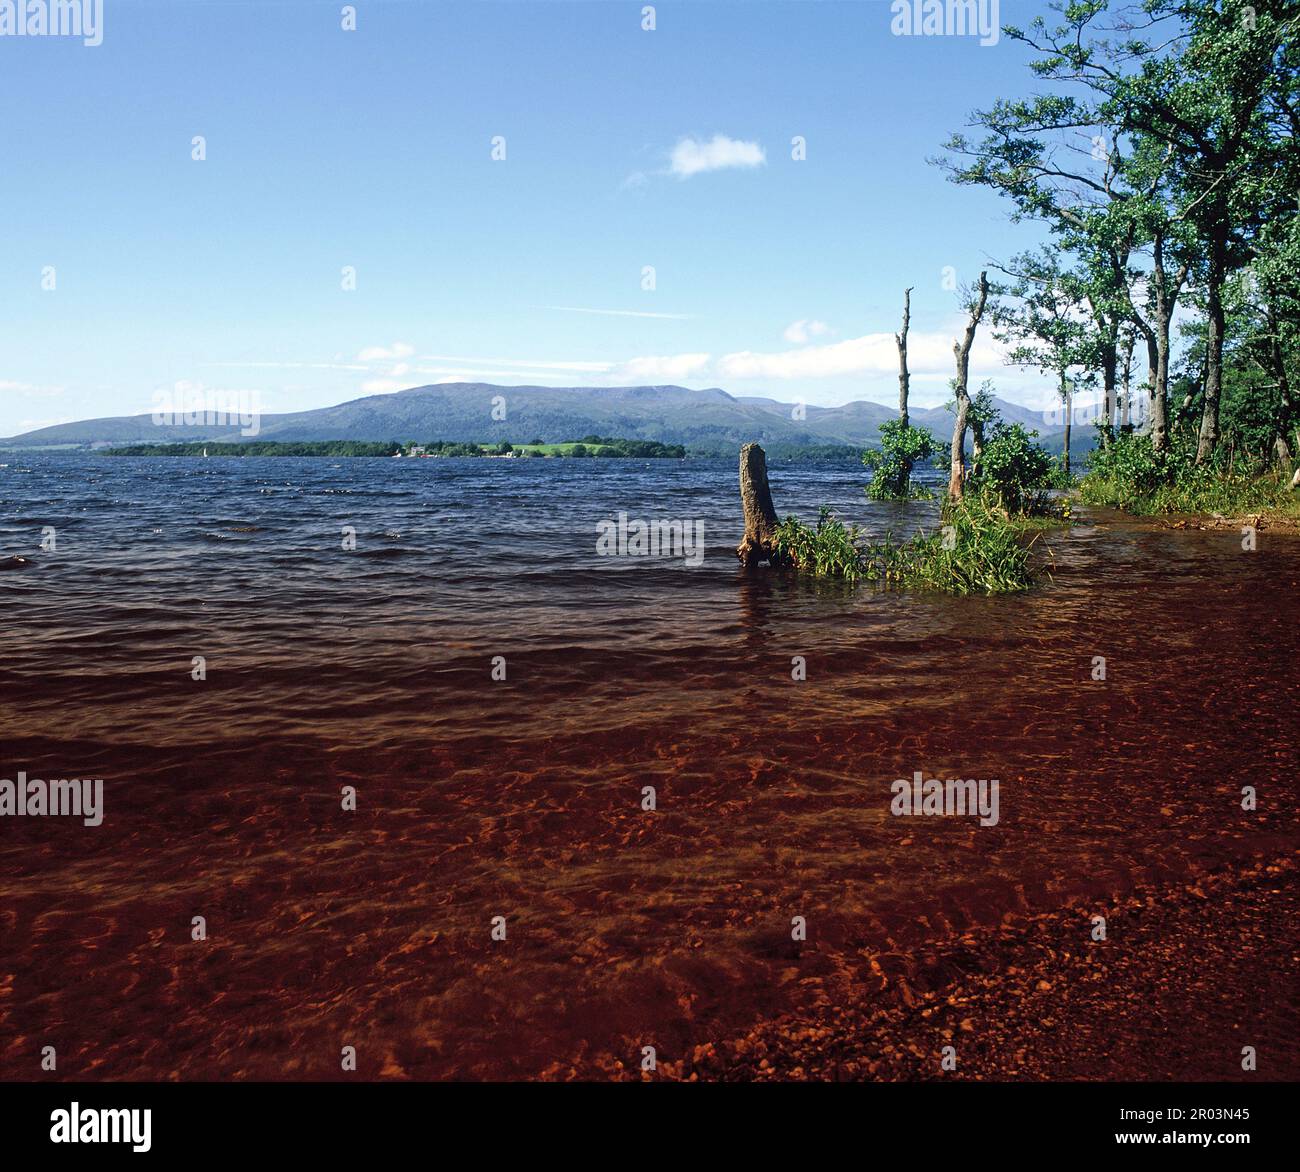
x,y
979,549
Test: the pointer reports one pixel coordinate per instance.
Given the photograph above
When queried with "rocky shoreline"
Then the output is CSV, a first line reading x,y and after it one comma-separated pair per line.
x,y
1188,976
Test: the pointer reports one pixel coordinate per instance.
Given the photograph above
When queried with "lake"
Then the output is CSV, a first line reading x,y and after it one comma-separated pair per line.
x,y
498,695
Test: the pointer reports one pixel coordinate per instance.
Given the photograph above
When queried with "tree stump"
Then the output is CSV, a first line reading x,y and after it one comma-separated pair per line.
x,y
759,542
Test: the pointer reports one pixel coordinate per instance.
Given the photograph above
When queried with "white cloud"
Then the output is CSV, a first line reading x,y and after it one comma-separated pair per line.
x,y
800,331
692,157
869,354
654,368
383,386
381,353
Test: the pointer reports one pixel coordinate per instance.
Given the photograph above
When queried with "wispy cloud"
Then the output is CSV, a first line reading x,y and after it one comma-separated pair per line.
x,y
532,363
290,365
693,157
29,390
382,353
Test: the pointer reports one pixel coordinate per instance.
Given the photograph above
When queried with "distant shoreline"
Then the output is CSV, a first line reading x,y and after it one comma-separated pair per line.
x,y
587,448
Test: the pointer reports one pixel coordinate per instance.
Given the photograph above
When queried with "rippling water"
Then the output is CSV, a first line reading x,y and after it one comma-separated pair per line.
x,y
522,798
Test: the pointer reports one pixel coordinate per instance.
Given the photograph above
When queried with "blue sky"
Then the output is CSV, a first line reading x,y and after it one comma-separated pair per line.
x,y
372,149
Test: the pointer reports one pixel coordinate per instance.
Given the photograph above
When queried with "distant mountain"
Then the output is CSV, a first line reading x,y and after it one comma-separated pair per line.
x,y
708,420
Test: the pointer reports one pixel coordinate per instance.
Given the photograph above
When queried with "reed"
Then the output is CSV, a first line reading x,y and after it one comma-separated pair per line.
x,y
979,549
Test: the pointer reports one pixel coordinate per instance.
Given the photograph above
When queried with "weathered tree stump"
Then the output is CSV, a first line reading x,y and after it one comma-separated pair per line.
x,y
759,542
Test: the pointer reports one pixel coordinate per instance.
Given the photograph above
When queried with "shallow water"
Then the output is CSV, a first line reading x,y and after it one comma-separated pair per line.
x,y
522,798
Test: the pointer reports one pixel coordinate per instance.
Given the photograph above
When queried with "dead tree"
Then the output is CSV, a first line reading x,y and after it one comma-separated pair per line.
x,y
961,349
900,339
759,542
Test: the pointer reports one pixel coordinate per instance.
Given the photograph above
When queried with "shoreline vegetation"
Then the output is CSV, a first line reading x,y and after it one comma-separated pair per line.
x,y
590,447
1186,203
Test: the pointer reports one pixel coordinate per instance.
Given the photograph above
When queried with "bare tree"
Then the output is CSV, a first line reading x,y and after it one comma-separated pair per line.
x,y
904,379
961,349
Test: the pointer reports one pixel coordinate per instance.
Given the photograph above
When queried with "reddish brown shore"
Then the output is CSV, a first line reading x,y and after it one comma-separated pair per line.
x,y
1186,978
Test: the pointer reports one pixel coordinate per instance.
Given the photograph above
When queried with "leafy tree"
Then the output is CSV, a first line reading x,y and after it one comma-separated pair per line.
x,y
1014,468
901,449
1050,323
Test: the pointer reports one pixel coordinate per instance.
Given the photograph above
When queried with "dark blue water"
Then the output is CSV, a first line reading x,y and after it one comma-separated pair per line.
x,y
242,561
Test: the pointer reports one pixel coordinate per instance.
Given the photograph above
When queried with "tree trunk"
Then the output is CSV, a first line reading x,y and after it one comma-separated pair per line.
x,y
961,351
1157,388
901,339
1157,335
1277,360
976,442
1068,395
759,542
958,449
1107,325
1214,323
1109,369
1126,409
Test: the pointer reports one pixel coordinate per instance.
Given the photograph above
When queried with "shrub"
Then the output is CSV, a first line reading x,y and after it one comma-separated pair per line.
x,y
1015,470
901,449
1125,468
1128,473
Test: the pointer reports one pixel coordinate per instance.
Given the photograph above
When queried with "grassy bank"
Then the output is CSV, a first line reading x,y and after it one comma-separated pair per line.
x,y
1129,474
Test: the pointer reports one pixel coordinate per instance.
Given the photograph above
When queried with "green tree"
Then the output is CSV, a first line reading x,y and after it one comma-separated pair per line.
x,y
1049,323
901,448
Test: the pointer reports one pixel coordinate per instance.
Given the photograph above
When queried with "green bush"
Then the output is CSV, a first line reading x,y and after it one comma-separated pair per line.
x,y
1124,469
901,449
1128,473
1015,469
